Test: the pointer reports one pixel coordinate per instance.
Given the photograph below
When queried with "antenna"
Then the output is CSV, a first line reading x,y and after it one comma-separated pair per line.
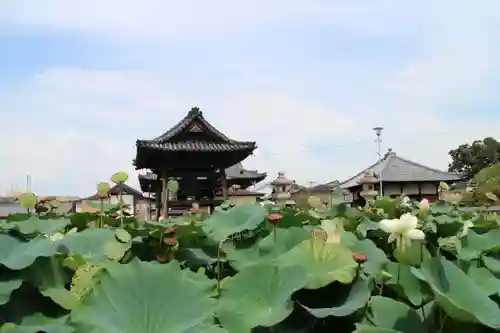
x,y
378,131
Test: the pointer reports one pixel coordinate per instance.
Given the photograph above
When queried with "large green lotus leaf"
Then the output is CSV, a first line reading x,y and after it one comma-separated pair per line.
x,y
49,276
16,254
357,297
477,244
35,225
373,329
222,224
92,244
389,205
323,262
144,297
278,242
492,262
393,315
457,294
7,287
485,279
376,258
39,323
259,296
442,207
407,285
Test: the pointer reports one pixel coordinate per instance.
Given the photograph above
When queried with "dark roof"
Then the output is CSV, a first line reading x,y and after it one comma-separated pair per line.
x,y
115,190
397,169
194,122
237,171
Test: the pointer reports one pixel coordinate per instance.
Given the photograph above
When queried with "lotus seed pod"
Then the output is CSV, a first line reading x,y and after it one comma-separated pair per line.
x,y
102,189
173,186
28,200
120,177
314,202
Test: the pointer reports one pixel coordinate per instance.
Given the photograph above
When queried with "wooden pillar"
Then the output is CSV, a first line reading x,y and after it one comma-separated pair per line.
x,y
158,198
224,185
164,206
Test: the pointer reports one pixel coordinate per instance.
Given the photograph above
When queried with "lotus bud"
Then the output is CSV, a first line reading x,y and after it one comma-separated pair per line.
x,y
424,205
120,177
274,218
359,258
102,190
28,200
171,242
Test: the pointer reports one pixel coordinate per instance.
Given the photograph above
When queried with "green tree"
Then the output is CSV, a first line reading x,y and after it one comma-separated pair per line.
x,y
484,182
469,159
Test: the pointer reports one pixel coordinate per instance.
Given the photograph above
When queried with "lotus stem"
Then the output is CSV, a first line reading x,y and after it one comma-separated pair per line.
x,y
275,235
120,186
218,267
421,253
101,214
399,273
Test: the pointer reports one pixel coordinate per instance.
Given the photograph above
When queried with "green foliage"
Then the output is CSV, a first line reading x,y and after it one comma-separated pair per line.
x,y
250,269
469,159
486,188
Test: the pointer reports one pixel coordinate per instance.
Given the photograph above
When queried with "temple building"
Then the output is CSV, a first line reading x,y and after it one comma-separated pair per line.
x,y
205,163
399,176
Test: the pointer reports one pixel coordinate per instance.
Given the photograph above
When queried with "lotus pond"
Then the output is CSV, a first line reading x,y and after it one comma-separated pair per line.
x,y
392,266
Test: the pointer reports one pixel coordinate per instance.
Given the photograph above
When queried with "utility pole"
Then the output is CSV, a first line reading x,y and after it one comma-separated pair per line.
x,y
28,183
378,131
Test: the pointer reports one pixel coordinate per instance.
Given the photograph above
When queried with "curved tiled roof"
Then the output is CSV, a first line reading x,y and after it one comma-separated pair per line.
x,y
221,143
394,168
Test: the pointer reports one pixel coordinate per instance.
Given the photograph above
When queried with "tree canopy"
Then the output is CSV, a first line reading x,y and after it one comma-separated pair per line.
x,y
469,159
485,181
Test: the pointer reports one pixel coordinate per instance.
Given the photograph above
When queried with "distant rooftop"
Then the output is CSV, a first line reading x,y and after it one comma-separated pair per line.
x,y
398,169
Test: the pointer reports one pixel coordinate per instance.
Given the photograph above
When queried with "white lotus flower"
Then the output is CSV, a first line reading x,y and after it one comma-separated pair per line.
x,y
333,229
402,230
56,237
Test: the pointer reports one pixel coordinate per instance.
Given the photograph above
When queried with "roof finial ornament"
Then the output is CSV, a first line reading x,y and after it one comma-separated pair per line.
x,y
194,111
389,153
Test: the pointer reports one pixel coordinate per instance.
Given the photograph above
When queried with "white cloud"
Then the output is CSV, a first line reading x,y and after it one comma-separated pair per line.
x,y
84,122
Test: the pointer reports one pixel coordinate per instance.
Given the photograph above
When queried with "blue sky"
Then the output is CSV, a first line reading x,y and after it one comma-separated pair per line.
x,y
308,80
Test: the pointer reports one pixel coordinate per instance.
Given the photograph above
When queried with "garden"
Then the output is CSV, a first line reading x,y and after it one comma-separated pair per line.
x,y
393,266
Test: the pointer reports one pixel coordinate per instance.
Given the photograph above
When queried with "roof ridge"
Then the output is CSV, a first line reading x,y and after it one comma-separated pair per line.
x,y
362,171
194,113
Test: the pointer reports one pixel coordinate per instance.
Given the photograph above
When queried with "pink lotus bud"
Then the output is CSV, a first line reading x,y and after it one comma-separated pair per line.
x,y
424,205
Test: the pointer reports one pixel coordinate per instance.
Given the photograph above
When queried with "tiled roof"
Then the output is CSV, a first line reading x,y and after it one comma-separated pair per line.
x,y
115,191
397,169
220,142
237,171
197,146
